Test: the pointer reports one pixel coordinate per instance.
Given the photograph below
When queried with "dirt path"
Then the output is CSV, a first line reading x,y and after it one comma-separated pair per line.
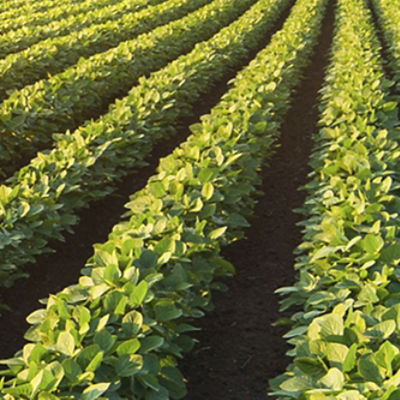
x,y
238,349
53,272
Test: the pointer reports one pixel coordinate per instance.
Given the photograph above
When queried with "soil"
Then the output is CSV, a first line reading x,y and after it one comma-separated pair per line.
x,y
238,349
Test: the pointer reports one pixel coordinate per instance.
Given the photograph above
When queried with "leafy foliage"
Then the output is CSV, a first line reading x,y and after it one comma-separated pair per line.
x,y
345,338
53,55
85,164
23,23
64,101
388,17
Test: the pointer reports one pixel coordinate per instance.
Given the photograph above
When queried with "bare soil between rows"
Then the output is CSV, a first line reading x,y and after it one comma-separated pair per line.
x,y
238,349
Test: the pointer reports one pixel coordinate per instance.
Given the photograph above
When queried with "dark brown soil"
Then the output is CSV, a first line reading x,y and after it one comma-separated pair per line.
x,y
52,272
239,350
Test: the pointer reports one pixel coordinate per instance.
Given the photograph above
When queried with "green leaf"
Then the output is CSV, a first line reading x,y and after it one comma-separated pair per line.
x,y
128,347
104,339
391,253
371,243
103,258
216,233
36,317
369,370
65,343
71,369
310,366
385,355
150,343
333,380
331,324
297,384
337,352
87,355
127,365
137,295
207,191
132,322
166,310
112,274
350,360
95,362
350,395
205,175
382,330
94,391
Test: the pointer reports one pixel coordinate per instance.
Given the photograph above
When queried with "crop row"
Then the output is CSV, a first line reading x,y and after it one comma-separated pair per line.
x,y
47,16
20,39
64,101
117,333
12,9
346,341
85,164
389,19
54,55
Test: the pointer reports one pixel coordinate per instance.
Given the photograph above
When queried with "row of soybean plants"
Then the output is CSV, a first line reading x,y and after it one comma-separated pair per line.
x,y
388,14
42,199
11,8
20,39
346,342
52,56
117,334
65,100
25,19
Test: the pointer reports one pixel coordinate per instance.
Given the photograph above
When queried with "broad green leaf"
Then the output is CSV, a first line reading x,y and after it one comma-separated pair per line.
x,y
336,352
369,370
334,379
95,362
127,365
371,243
165,310
350,395
391,253
382,329
36,317
138,294
93,392
128,347
87,355
65,343
150,343
331,324
350,360
205,175
385,355
207,191
104,339
297,384
71,369
132,322
310,366
216,233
